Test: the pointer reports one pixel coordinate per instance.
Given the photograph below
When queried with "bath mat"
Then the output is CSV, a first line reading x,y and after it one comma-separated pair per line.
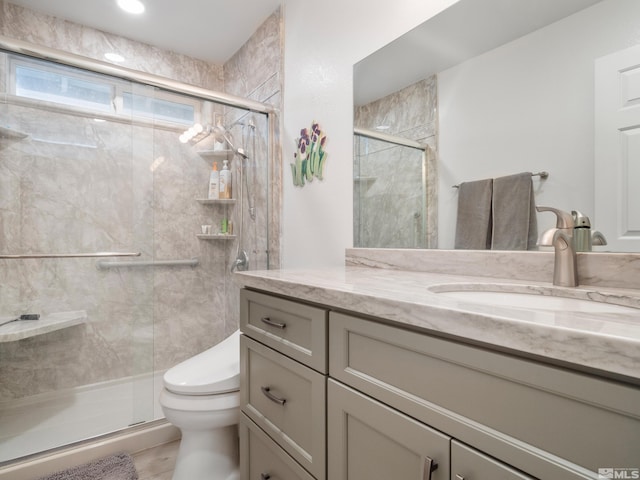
x,y
115,467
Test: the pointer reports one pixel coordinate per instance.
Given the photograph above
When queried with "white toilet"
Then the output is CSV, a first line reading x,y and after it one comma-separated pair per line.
x,y
201,397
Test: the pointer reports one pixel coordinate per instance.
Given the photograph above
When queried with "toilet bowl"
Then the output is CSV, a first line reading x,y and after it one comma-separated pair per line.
x,y
201,397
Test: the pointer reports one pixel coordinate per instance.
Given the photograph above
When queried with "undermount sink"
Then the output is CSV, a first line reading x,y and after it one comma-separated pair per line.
x,y
537,297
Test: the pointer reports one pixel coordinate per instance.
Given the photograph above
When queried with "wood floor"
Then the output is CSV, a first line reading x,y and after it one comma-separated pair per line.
x,y
156,463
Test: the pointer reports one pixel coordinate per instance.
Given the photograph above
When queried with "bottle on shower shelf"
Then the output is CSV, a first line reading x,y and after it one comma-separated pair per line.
x,y
214,182
225,180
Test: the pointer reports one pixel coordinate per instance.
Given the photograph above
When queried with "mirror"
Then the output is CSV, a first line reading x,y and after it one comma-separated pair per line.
x,y
491,88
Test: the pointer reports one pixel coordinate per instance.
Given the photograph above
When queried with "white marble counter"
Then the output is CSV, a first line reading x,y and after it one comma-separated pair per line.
x,y
21,329
609,342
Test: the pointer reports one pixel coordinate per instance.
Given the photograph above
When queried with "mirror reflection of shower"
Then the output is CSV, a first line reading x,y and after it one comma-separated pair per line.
x,y
391,191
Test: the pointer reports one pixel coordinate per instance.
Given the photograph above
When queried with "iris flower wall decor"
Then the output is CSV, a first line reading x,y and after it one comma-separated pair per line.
x,y
310,157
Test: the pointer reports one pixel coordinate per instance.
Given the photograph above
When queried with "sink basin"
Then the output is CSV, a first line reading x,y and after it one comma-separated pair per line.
x,y
536,297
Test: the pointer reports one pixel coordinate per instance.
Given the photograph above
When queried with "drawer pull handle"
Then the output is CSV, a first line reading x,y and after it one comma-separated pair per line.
x,y
266,476
429,467
271,396
459,477
270,322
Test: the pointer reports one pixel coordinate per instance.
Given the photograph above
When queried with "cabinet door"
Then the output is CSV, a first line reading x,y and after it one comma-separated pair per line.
x,y
370,441
262,459
469,464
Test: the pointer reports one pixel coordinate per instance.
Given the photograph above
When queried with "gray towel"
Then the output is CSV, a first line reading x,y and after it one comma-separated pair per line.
x,y
473,225
514,216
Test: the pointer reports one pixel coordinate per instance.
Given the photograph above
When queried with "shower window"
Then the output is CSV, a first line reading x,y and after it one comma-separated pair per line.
x,y
160,108
71,87
59,85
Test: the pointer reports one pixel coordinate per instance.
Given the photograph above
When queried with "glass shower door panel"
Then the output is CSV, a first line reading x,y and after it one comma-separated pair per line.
x,y
70,182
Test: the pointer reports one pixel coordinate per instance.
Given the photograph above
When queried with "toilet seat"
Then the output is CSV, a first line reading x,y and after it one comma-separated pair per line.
x,y
214,371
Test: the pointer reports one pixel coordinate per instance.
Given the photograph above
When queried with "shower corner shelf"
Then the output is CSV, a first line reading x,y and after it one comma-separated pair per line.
x,y
11,134
216,201
214,153
215,236
22,329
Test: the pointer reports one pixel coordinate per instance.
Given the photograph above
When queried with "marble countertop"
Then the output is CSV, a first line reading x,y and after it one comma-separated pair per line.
x,y
608,341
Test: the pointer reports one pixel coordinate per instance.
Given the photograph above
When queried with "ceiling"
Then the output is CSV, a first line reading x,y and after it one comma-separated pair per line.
x,y
462,31
211,30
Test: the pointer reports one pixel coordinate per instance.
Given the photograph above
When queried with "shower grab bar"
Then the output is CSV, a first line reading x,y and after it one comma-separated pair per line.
x,y
72,255
151,263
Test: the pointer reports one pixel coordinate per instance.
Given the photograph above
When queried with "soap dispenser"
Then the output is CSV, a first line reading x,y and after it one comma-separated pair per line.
x,y
581,232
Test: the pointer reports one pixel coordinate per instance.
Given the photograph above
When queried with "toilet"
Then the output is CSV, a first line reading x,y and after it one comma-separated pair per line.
x,y
201,396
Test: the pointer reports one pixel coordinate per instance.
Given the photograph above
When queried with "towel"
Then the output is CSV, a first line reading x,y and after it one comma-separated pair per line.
x,y
473,225
515,225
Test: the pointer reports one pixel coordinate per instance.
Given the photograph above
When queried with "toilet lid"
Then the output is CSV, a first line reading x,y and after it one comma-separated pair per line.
x,y
216,370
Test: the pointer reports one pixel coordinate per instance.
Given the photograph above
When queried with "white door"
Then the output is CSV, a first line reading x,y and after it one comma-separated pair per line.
x,y
617,149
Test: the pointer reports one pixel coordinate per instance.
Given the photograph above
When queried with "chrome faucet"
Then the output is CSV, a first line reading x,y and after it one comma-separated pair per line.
x,y
565,271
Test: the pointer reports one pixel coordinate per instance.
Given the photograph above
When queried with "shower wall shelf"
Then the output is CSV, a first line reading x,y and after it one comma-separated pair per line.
x,y
22,329
216,201
216,236
214,153
10,133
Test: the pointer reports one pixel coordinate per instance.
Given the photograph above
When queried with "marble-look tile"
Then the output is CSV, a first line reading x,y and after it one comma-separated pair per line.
x,y
75,185
615,270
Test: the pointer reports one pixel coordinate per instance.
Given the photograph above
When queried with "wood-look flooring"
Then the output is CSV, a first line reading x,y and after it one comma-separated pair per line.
x,y
156,463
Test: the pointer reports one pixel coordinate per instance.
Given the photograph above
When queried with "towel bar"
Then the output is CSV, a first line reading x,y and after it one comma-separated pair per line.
x,y
543,175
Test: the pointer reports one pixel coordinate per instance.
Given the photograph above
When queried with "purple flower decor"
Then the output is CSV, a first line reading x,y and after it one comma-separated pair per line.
x,y
310,155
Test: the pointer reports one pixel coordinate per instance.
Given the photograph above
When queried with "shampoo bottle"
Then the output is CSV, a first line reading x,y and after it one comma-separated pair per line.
x,y
225,180
214,182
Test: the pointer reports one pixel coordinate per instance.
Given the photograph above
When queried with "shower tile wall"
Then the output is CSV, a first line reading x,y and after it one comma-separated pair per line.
x,y
255,72
131,187
384,208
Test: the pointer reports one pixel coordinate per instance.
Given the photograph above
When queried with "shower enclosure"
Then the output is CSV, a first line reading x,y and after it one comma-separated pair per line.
x,y
101,214
393,199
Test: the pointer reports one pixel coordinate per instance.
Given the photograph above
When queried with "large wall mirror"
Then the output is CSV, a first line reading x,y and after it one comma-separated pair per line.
x,y
491,88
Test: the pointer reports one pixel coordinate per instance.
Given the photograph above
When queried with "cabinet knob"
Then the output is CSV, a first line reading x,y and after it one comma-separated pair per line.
x,y
271,323
265,476
272,397
459,477
429,467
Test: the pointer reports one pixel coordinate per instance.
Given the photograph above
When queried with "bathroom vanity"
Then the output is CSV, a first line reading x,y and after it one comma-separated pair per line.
x,y
365,373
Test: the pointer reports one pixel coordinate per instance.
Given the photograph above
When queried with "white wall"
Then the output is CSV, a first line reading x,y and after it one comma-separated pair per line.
x,y
528,106
323,40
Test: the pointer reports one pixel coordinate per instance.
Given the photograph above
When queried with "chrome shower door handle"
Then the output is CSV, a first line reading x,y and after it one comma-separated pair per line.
x,y
267,393
429,467
271,323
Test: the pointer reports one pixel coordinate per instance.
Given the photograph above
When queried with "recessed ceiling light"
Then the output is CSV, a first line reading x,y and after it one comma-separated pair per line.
x,y
131,6
114,57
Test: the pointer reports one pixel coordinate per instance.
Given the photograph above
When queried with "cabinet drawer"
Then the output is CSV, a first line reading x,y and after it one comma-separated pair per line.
x,y
469,464
506,406
370,441
287,400
297,330
263,459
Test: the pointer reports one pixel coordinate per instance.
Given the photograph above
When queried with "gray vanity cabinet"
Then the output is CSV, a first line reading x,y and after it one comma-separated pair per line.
x,y
370,441
283,366
549,422
330,395
470,464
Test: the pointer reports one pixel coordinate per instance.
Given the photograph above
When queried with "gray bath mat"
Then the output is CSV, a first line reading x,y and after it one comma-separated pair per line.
x,y
115,467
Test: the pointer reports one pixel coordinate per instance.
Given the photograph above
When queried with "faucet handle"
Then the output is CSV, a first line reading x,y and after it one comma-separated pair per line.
x,y
597,238
563,219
